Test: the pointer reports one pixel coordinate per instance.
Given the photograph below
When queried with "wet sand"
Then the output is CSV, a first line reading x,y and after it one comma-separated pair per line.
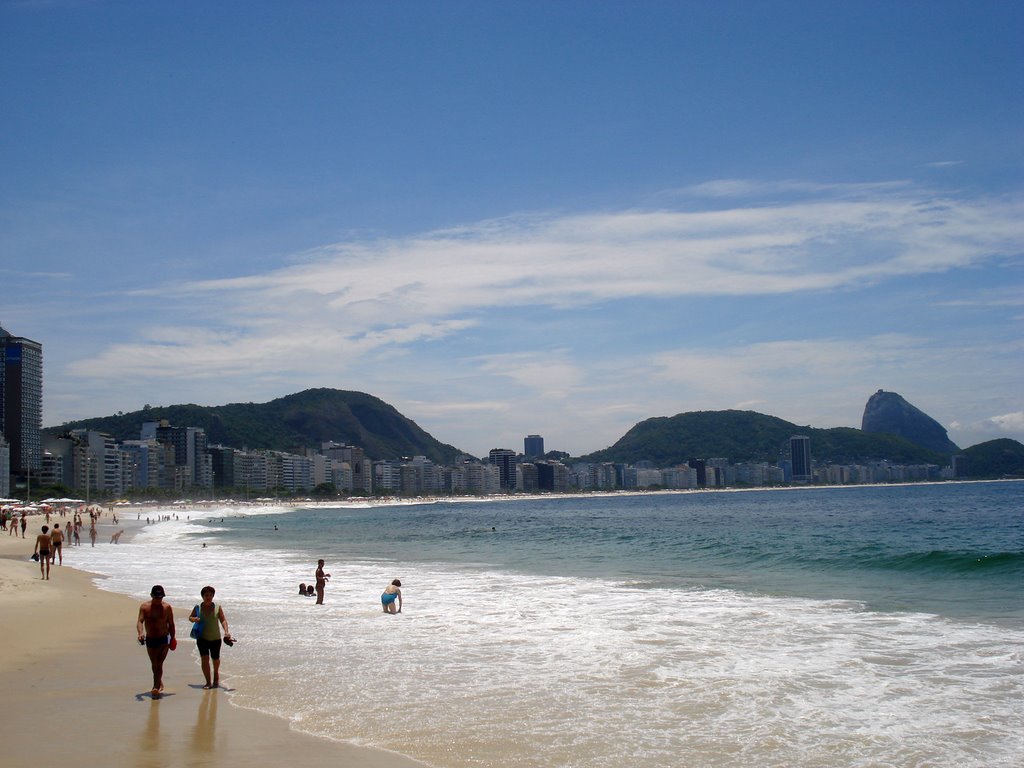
x,y
76,684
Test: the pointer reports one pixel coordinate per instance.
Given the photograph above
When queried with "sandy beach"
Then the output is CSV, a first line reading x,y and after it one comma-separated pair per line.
x,y
76,683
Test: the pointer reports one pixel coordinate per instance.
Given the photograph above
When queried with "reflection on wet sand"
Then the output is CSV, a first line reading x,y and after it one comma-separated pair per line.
x,y
151,753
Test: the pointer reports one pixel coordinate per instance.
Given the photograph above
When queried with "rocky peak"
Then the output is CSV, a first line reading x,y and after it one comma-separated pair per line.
x,y
889,413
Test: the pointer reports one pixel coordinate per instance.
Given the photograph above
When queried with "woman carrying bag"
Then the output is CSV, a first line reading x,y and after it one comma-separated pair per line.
x,y
207,619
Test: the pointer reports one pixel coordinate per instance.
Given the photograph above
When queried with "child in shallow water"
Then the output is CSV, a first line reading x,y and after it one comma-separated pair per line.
x,y
392,593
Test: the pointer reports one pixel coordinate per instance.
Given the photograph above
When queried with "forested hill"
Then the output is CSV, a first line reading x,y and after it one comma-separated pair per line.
x,y
305,419
309,418
750,436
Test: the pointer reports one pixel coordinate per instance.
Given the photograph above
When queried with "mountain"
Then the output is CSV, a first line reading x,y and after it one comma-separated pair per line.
x,y
996,458
302,420
309,418
751,436
889,413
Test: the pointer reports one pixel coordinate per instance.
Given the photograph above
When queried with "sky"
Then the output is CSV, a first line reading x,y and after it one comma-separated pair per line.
x,y
556,218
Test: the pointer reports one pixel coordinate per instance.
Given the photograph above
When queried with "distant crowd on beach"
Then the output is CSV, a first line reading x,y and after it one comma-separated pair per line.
x,y
49,544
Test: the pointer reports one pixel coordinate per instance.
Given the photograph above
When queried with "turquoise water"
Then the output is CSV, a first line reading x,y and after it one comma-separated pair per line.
x,y
813,627
954,549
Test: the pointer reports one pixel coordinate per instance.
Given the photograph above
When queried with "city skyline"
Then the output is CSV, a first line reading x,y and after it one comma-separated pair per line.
x,y
554,219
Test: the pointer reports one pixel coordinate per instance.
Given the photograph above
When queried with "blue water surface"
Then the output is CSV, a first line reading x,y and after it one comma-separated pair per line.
x,y
954,549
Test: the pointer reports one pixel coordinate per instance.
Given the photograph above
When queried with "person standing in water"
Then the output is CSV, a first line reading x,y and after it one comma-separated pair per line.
x,y
156,631
210,618
321,581
392,593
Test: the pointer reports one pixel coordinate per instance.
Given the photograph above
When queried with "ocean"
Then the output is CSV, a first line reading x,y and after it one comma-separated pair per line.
x,y
859,626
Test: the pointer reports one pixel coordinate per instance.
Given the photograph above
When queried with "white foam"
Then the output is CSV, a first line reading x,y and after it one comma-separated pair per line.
x,y
488,668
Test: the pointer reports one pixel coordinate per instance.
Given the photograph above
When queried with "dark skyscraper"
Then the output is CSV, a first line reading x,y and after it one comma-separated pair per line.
x,y
21,401
505,460
800,453
533,446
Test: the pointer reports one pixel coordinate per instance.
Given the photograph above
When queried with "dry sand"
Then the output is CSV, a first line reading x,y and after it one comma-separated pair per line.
x,y
76,683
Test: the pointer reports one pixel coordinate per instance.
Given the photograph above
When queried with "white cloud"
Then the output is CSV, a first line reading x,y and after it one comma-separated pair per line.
x,y
1012,423
427,321
589,258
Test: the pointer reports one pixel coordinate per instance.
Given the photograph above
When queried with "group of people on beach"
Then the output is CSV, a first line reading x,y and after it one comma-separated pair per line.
x,y
155,626
392,592
9,522
49,547
155,623
50,542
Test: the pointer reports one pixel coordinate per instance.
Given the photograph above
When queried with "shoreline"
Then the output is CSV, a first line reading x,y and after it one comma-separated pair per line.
x,y
77,684
210,506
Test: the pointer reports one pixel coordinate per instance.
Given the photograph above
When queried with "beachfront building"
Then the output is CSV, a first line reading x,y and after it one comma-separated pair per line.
x,y
585,476
191,452
679,478
222,463
21,404
505,460
251,472
800,455
144,462
96,459
360,467
5,468
553,476
526,477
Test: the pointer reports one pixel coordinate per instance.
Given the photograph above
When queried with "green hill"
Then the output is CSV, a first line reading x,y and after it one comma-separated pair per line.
x,y
995,458
302,420
309,418
750,436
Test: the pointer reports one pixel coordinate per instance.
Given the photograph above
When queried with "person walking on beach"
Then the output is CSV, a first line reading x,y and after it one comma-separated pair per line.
x,y
392,593
57,539
210,618
24,523
321,581
156,631
43,544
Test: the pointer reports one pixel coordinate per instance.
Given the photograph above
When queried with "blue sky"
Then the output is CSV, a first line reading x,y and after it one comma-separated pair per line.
x,y
511,218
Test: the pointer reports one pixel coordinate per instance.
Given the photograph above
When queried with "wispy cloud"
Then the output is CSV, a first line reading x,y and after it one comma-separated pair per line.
x,y
584,259
437,313
30,275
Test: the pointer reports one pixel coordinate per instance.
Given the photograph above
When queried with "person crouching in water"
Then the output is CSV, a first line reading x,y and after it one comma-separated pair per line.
x,y
210,618
392,592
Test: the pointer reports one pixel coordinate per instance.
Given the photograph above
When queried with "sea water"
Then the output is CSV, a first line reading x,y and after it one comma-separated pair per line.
x,y
879,626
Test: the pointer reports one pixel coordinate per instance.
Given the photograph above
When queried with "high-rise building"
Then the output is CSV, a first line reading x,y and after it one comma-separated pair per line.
x,y
5,468
800,453
505,460
21,402
533,446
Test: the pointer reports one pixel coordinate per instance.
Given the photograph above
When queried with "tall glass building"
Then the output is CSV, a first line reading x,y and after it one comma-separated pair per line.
x,y
505,460
533,446
800,453
21,402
